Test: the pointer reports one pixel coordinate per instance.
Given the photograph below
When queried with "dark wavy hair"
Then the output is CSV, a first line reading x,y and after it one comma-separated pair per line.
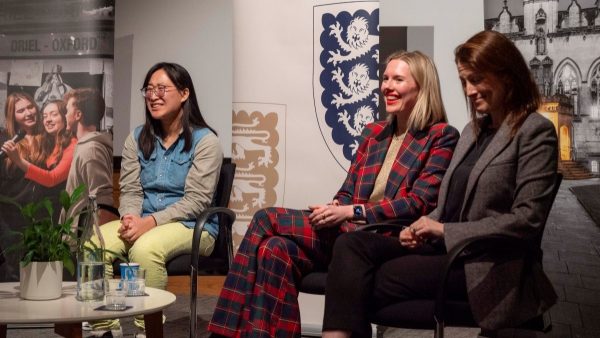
x,y
191,117
492,53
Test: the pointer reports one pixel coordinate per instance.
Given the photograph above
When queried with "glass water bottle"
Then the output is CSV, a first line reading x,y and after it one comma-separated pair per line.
x,y
90,256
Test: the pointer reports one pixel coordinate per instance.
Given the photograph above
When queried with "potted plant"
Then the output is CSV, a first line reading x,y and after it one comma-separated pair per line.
x,y
46,246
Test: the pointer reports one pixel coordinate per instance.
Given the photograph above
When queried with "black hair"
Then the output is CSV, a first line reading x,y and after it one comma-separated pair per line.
x,y
191,117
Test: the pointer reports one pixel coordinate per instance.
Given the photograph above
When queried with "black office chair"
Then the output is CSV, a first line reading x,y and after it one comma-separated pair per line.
x,y
220,259
436,314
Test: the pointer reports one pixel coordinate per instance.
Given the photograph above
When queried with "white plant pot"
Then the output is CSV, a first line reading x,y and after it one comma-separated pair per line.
x,y
41,280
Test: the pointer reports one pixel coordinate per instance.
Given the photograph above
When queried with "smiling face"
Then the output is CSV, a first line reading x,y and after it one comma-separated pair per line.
x,y
26,115
168,107
399,88
52,119
485,93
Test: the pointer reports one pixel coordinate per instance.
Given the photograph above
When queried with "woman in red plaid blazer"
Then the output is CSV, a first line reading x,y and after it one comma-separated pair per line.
x,y
396,173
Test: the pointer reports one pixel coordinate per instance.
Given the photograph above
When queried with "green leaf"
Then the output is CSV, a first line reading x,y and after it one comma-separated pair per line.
x,y
43,239
64,199
77,193
68,264
48,206
28,211
27,258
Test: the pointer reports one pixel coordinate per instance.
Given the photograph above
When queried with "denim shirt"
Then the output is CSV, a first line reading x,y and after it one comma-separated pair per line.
x,y
163,176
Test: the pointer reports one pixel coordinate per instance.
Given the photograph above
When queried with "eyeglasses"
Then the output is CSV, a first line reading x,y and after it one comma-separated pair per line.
x,y
159,91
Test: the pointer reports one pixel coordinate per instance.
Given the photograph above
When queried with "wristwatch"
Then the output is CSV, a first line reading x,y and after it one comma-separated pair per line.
x,y
358,212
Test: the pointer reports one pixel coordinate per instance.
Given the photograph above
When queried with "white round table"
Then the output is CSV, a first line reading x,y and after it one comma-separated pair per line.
x,y
67,313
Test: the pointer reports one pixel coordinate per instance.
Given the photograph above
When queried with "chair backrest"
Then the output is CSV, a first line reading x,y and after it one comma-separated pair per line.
x,y
225,184
220,259
224,242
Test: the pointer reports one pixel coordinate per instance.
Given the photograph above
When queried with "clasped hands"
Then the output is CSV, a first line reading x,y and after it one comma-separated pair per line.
x,y
329,215
133,226
421,231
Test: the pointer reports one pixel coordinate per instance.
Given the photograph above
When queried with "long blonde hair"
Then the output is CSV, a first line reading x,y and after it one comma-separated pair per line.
x,y
32,150
429,108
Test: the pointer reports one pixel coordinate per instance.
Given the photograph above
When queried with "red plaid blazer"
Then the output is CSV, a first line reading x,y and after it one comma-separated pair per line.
x,y
415,177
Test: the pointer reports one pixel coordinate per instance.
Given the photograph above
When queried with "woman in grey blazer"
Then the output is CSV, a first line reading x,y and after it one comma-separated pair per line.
x,y
499,181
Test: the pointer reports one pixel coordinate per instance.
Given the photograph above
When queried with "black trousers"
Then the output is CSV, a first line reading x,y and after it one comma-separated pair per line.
x,y
369,271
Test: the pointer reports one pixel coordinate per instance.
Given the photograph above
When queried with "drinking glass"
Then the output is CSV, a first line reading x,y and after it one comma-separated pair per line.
x,y
116,292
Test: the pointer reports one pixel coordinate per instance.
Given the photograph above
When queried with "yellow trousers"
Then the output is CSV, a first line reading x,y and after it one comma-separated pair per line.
x,y
153,249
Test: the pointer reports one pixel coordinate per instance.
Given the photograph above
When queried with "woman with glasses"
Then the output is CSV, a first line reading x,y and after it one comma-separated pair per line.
x,y
169,173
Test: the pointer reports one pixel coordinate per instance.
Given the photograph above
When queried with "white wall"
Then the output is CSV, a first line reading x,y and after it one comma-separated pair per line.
x,y
453,22
420,38
194,33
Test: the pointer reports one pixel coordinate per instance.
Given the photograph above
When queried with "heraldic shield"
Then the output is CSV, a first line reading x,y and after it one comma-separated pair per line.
x,y
345,75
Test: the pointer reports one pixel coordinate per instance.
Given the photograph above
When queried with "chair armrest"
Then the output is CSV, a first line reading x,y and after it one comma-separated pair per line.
x,y
200,222
478,244
391,225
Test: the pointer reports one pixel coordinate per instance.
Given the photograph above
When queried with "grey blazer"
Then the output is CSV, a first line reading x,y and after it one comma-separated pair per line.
x,y
509,191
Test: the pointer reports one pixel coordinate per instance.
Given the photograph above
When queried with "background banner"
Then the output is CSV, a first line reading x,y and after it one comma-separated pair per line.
x,y
305,80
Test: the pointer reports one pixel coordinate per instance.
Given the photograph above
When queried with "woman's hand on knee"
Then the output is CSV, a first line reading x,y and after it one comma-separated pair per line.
x,y
324,216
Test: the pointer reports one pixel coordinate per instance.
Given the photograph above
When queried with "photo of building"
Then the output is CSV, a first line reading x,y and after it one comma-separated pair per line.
x,y
561,42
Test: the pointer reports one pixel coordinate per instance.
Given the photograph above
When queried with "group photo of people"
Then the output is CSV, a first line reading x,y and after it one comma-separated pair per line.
x,y
38,150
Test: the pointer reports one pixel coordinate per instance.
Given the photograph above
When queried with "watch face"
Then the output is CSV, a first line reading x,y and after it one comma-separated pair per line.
x,y
357,211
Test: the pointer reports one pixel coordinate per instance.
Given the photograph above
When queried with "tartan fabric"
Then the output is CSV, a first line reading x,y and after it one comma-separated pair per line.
x,y
415,177
259,297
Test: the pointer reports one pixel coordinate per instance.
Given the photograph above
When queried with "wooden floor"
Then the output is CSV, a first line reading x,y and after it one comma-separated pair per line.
x,y
207,285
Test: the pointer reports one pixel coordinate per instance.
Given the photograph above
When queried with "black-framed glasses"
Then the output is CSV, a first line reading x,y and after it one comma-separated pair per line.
x,y
159,91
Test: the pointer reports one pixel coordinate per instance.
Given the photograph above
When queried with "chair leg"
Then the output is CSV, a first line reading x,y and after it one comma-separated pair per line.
x,y
439,329
381,330
193,298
